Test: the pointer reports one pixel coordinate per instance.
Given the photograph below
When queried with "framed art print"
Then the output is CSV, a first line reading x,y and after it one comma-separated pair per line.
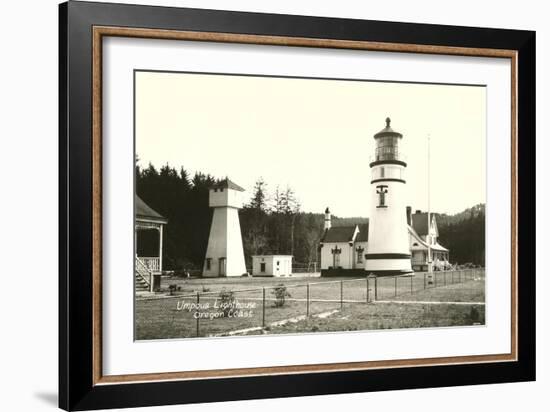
x,y
257,205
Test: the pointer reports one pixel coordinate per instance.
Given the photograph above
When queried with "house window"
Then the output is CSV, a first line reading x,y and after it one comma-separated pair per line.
x,y
336,256
208,263
262,267
360,251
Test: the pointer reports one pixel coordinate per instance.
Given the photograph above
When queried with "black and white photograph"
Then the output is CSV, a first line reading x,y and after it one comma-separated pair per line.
x,y
224,206
283,205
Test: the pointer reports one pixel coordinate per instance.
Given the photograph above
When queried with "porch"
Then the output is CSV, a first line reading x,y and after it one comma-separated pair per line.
x,y
148,242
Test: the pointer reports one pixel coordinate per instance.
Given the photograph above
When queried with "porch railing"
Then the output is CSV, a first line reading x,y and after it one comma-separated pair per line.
x,y
143,272
151,263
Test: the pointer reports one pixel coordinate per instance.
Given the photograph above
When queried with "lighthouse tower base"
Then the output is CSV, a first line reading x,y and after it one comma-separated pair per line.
x,y
224,255
388,251
389,264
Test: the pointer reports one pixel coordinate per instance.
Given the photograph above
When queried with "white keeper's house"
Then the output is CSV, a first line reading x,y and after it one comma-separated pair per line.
x,y
422,235
393,241
343,247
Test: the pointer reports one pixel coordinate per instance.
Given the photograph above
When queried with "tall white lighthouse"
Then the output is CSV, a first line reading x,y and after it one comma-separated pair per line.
x,y
224,254
388,248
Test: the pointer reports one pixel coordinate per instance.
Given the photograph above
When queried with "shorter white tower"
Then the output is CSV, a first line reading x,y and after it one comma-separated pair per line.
x,y
224,254
327,219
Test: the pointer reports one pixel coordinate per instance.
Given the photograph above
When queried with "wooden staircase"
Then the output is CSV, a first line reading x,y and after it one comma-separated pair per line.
x,y
143,277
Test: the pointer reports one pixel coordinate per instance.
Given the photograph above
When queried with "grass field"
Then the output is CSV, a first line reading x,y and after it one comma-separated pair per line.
x,y
163,317
392,315
472,291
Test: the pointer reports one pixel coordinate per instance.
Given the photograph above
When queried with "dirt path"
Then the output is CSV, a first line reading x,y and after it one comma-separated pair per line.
x,y
428,302
278,323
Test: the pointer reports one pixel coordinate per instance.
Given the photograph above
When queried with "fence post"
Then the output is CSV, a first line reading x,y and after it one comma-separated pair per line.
x,y
444,278
435,279
460,277
307,300
263,307
395,286
367,290
411,284
341,294
424,280
375,289
198,317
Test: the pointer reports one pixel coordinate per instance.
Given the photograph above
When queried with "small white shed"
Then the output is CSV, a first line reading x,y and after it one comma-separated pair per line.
x,y
272,265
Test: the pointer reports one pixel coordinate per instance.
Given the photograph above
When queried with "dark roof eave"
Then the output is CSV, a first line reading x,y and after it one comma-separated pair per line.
x,y
390,134
151,219
228,184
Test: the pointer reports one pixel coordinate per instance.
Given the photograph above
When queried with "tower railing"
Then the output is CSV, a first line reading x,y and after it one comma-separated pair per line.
x,y
395,156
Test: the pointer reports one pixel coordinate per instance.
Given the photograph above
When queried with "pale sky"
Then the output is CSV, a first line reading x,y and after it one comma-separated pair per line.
x,y
315,135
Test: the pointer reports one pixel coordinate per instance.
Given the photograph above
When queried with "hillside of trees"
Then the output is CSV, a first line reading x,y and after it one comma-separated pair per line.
x,y
464,235
272,222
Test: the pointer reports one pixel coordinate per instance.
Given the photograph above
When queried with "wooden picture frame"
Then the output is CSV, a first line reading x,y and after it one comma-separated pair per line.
x,y
82,386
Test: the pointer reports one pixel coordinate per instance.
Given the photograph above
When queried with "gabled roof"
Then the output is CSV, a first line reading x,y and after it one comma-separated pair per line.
x,y
227,184
339,234
420,223
419,240
439,247
363,235
344,230
422,244
144,211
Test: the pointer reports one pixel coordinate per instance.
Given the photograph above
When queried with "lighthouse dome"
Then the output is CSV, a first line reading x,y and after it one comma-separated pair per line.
x,y
387,131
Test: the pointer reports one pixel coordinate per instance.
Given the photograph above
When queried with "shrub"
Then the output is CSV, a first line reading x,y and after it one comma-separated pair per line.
x,y
281,294
227,301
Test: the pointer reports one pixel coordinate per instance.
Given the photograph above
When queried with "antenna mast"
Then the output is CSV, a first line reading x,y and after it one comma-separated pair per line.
x,y
429,236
